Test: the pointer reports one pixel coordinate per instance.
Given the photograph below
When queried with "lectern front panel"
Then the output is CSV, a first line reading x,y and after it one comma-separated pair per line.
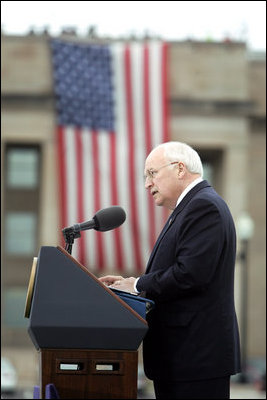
x,y
71,308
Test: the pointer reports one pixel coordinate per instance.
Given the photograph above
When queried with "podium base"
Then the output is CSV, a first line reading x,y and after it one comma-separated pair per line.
x,y
89,374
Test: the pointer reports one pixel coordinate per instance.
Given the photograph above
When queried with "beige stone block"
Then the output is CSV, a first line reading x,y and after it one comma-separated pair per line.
x,y
26,65
208,71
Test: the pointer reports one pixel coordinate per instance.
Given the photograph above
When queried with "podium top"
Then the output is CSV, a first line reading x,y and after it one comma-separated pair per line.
x,y
111,291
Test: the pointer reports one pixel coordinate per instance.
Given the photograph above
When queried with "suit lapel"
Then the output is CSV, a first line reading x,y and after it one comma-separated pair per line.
x,y
161,235
173,215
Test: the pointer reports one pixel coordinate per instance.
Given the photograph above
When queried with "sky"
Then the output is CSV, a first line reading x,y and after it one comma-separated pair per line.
x,y
170,20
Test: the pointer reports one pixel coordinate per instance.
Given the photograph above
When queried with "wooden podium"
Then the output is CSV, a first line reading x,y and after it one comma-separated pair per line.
x,y
86,335
96,374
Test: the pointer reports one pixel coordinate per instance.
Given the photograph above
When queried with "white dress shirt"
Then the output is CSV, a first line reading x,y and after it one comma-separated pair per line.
x,y
188,188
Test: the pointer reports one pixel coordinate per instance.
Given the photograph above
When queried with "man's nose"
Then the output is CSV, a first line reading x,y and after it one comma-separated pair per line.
x,y
148,182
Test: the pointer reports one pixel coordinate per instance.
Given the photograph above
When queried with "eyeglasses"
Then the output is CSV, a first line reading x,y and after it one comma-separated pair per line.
x,y
151,173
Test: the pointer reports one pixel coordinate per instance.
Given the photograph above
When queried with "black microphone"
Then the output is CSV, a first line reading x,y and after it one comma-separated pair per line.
x,y
104,220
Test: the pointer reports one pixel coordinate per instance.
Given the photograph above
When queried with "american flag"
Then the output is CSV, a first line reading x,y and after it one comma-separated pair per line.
x,y
111,111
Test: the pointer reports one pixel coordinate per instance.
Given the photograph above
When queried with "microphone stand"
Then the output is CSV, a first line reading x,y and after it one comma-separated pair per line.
x,y
69,236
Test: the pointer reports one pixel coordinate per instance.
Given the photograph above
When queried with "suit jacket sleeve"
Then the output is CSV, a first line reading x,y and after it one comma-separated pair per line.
x,y
198,233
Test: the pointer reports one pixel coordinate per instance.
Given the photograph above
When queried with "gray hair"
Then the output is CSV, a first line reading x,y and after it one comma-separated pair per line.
x,y
177,151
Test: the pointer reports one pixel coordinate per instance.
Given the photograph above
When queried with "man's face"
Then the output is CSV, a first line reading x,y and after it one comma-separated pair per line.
x,y
162,179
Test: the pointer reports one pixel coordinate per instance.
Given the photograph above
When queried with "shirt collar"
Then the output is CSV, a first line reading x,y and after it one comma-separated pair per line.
x,y
187,189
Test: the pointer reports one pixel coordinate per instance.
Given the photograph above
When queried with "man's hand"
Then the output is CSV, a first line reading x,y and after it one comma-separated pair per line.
x,y
110,279
118,282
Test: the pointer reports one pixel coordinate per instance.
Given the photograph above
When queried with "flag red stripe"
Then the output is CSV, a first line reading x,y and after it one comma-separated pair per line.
x,y
97,200
147,118
62,180
114,197
131,160
146,102
165,110
165,93
80,196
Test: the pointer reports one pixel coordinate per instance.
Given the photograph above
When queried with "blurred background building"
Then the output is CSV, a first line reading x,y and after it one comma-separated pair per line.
x,y
217,104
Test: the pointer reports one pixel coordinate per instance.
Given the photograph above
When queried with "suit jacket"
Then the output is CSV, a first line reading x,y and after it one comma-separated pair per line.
x,y
193,331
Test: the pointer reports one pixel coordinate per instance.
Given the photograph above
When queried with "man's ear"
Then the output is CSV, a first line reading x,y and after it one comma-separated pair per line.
x,y
180,169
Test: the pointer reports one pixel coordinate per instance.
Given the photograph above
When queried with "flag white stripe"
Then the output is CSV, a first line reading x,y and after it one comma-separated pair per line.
x,y
71,183
105,193
71,174
88,187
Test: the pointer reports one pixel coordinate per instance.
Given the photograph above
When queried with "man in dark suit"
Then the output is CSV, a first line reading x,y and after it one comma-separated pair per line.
x,y
192,345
